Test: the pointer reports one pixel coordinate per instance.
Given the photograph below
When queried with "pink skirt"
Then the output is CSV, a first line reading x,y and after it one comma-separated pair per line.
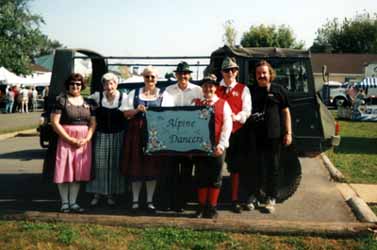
x,y
73,164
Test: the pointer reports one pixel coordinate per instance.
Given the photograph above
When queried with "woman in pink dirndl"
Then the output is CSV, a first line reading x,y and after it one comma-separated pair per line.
x,y
73,120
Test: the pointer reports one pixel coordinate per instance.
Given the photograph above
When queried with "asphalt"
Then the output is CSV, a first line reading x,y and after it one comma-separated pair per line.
x,y
317,207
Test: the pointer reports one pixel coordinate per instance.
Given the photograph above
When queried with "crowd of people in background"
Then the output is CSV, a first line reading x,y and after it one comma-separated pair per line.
x,y
22,99
117,159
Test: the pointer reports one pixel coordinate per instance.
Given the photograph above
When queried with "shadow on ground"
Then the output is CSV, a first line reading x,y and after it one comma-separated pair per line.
x,y
357,145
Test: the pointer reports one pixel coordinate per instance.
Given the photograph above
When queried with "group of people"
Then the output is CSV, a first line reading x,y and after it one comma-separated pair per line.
x,y
20,99
115,124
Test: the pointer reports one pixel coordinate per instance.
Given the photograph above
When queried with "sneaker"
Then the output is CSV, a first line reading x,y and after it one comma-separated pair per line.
x,y
252,203
270,205
236,207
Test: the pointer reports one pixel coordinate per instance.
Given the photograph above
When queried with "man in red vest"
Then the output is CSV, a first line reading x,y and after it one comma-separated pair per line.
x,y
208,168
239,99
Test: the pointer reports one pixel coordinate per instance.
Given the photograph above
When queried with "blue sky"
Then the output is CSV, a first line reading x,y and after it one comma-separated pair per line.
x,y
176,27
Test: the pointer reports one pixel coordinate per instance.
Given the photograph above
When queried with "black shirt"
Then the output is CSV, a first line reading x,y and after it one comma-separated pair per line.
x,y
271,103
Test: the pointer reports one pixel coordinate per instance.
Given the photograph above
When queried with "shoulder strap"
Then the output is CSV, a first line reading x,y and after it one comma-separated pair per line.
x,y
100,98
120,99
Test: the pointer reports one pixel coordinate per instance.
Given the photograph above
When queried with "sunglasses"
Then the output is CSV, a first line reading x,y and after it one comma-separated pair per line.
x,y
150,76
75,83
231,69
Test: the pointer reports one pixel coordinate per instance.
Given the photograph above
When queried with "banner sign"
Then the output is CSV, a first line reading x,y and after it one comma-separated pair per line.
x,y
180,130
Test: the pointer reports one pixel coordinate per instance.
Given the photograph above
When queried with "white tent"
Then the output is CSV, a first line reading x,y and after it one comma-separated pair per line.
x,y
8,77
38,79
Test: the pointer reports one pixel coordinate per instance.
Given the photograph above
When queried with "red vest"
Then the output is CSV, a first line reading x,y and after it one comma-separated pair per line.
x,y
234,98
219,116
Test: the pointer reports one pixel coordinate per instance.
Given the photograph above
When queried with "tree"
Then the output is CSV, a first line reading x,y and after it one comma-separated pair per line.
x,y
356,35
20,36
230,33
270,36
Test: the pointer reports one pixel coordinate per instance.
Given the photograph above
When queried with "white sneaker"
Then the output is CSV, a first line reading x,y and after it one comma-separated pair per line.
x,y
252,203
270,205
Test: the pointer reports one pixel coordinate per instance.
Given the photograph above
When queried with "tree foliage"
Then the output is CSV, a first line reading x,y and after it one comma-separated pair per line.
x,y
355,35
270,36
20,36
230,33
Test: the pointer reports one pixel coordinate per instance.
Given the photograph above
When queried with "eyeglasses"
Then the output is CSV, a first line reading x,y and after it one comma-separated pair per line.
x,y
231,69
77,83
150,76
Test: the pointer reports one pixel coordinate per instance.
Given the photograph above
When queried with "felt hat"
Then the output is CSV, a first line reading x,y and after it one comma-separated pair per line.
x,y
229,63
183,67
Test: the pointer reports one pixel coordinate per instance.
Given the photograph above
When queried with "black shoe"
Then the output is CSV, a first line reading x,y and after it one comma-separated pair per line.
x,y
151,208
179,209
134,207
211,213
200,212
236,207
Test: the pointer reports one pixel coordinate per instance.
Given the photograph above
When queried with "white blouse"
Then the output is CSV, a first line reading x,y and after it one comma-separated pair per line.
x,y
129,104
105,103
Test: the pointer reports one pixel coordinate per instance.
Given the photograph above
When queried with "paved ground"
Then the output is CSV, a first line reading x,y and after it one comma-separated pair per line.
x,y
21,188
18,120
317,202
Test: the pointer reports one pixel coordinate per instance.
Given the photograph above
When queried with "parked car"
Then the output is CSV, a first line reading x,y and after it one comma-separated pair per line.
x,y
334,93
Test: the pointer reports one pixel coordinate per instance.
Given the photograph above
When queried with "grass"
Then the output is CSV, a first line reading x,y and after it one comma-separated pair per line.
x,y
356,156
35,235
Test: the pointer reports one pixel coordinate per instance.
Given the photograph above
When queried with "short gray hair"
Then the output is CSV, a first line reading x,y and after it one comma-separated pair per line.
x,y
150,69
109,77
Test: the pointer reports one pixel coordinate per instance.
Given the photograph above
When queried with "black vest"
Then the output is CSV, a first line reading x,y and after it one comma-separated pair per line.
x,y
110,120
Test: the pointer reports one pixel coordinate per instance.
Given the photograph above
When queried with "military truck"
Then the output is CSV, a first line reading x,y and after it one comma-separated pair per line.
x,y
312,124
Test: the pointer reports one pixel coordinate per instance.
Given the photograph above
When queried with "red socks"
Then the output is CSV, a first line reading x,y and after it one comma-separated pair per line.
x,y
202,196
235,178
213,196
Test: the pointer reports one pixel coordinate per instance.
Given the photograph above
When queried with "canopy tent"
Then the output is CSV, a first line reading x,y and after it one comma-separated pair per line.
x,y
38,79
7,77
367,82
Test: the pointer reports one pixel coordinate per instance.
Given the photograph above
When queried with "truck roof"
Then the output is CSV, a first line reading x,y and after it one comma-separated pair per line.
x,y
260,52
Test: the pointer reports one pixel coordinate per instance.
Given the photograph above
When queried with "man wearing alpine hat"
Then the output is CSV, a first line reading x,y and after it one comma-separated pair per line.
x,y
179,168
239,98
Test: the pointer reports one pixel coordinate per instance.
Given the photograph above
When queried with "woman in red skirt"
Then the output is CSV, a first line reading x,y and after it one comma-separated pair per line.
x,y
136,166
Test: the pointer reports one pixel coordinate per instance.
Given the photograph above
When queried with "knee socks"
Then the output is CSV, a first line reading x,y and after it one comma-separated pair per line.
x,y
63,191
74,189
202,196
213,196
151,186
136,187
